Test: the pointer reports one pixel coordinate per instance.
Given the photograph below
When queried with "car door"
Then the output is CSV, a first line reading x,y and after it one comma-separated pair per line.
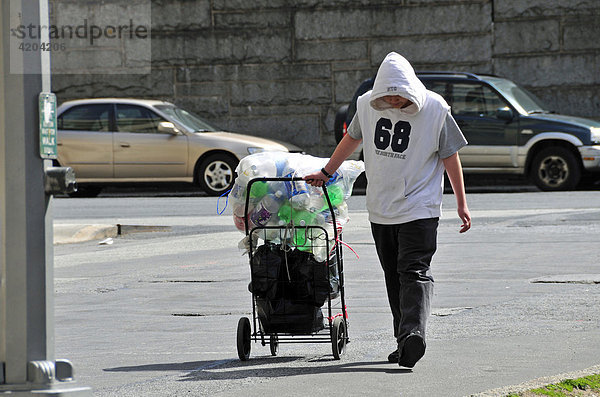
x,y
84,141
142,151
492,141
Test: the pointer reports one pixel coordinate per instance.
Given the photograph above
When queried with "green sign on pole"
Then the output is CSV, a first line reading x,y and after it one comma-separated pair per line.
x,y
47,102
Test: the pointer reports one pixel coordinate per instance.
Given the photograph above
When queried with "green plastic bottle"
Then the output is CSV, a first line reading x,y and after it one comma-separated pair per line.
x,y
259,189
303,218
285,212
336,196
300,240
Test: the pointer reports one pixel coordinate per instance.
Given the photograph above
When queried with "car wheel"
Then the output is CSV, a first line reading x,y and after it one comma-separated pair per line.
x,y
338,124
555,168
216,174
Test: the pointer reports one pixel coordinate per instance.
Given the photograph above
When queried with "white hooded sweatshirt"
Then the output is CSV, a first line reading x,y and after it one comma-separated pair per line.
x,y
402,146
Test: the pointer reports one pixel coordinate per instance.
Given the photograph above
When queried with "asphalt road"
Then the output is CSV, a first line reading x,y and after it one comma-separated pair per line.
x,y
155,314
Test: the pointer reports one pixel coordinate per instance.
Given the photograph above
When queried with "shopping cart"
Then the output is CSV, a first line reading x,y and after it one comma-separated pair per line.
x,y
294,274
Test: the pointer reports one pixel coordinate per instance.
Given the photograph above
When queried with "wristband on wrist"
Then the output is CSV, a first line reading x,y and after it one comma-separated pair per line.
x,y
327,174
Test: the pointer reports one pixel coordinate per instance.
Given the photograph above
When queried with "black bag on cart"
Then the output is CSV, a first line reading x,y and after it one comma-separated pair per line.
x,y
266,267
290,287
285,316
313,281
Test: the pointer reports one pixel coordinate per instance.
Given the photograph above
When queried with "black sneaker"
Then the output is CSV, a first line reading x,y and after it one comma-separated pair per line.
x,y
413,350
393,357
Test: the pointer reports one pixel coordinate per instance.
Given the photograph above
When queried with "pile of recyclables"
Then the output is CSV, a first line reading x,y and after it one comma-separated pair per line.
x,y
288,204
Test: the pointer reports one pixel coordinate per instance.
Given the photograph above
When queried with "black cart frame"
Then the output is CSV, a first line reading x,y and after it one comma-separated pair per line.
x,y
336,329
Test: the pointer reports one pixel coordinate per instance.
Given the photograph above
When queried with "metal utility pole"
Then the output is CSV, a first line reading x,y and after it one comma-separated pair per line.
x,y
27,363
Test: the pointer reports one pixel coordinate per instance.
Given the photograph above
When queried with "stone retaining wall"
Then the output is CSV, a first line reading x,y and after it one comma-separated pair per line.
x,y
281,68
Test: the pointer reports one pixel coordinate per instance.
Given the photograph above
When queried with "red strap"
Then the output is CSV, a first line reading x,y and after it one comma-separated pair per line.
x,y
343,243
339,314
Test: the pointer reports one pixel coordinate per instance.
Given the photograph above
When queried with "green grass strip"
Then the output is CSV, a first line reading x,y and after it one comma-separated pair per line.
x,y
566,388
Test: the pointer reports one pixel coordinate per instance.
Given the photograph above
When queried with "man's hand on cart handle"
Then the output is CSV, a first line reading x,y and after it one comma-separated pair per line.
x,y
317,178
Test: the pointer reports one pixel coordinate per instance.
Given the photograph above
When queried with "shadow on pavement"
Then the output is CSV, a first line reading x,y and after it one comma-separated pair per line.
x,y
262,367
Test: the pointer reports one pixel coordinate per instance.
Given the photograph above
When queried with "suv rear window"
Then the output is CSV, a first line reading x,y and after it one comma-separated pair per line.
x,y
475,100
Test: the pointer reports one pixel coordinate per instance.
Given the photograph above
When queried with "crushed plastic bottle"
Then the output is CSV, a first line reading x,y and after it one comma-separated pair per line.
x,y
268,206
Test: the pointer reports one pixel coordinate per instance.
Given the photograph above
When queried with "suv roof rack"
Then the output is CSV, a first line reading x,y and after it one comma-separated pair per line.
x,y
474,76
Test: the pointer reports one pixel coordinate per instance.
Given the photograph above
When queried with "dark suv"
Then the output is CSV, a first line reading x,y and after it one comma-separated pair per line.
x,y
509,130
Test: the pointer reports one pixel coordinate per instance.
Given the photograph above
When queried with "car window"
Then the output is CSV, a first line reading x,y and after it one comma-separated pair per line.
x,y
439,87
475,100
190,120
86,118
132,118
520,97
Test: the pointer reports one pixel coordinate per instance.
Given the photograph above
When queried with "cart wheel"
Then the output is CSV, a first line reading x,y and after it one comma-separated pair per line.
x,y
274,344
338,337
243,339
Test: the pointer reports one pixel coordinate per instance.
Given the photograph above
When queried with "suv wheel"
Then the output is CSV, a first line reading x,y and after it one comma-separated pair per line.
x,y
216,174
555,168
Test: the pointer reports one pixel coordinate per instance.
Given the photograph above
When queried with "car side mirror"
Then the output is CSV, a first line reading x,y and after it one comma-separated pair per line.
x,y
505,114
167,127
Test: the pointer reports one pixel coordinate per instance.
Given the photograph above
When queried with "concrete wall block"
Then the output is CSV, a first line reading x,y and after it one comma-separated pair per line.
x,y
474,67
258,72
174,15
301,130
236,5
526,36
347,82
575,101
106,24
137,53
210,108
87,61
582,33
253,19
280,110
224,47
354,64
211,89
331,51
392,21
280,93
475,48
158,84
551,70
108,12
538,8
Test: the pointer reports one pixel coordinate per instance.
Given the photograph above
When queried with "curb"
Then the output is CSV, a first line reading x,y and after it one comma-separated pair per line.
x,y
78,233
537,383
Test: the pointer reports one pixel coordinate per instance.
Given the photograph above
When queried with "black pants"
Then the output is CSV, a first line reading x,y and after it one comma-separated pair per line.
x,y
405,251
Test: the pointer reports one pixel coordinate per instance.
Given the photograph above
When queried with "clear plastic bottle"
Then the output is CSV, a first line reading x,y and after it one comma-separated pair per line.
x,y
297,191
299,196
265,209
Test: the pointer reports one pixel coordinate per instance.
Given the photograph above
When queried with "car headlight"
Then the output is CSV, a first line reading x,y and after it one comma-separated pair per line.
x,y
595,131
253,150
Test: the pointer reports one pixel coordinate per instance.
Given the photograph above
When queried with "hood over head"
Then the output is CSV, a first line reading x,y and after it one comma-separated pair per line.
x,y
396,76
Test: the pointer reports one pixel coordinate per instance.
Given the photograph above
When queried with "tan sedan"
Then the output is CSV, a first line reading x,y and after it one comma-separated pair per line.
x,y
131,140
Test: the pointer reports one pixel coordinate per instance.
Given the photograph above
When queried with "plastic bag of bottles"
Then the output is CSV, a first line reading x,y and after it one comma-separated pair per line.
x,y
289,204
